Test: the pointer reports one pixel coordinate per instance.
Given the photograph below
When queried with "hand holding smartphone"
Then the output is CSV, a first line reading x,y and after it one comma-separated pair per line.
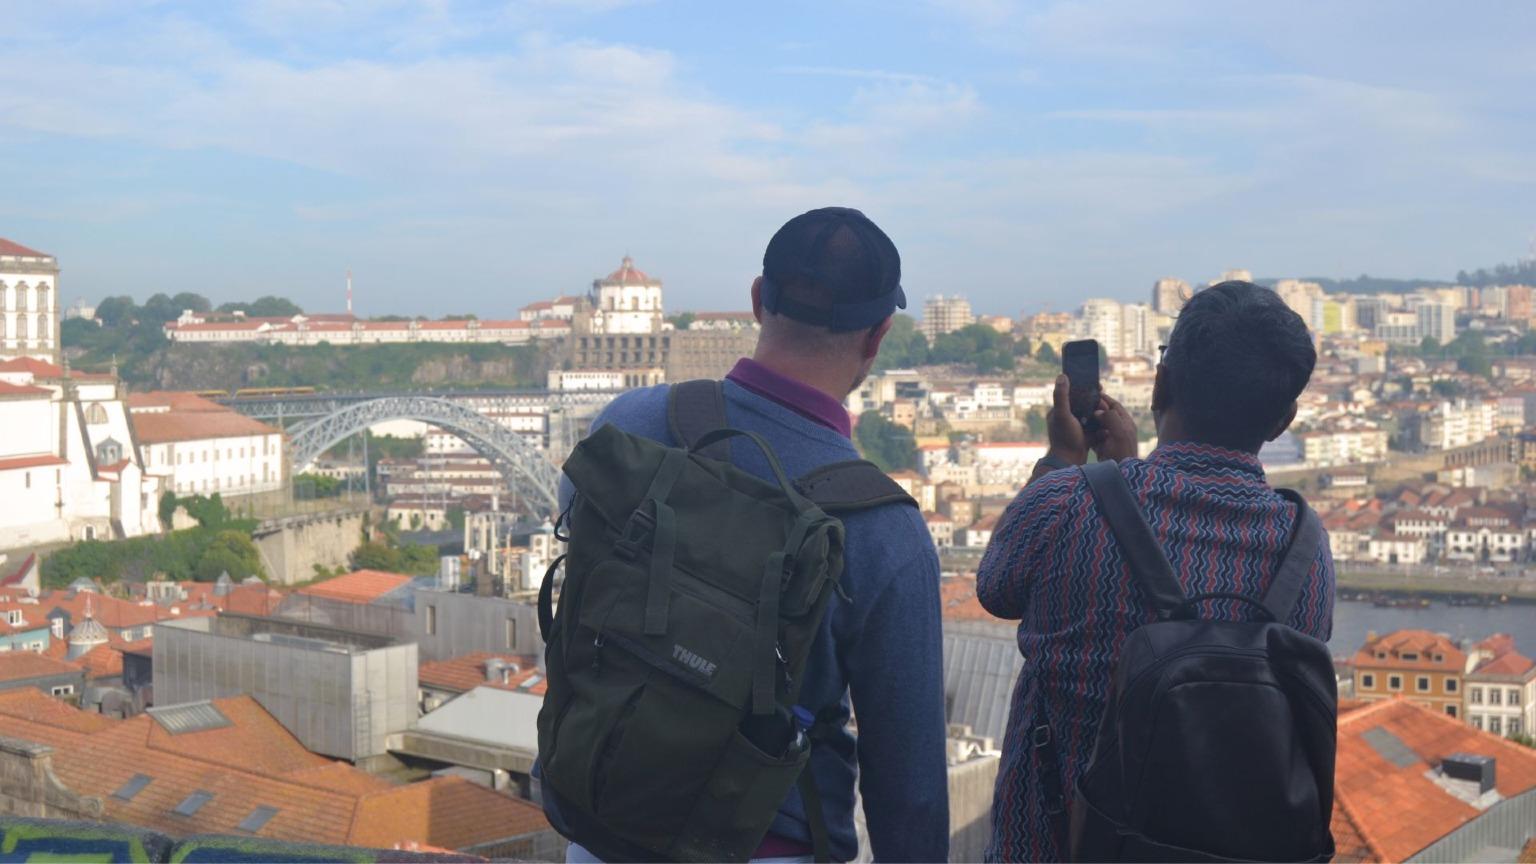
x,y
1080,362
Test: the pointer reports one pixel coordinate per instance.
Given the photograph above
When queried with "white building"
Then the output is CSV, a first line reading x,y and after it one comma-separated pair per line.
x,y
1169,295
199,447
1437,321
1484,534
1458,425
1343,446
1102,319
1396,549
1006,463
341,330
1301,296
626,301
945,315
29,303
68,467
1501,688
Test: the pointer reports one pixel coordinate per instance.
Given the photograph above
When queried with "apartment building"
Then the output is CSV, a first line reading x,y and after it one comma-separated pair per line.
x,y
29,303
1425,668
1501,687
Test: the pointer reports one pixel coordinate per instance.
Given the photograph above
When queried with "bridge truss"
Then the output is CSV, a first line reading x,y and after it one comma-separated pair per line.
x,y
523,466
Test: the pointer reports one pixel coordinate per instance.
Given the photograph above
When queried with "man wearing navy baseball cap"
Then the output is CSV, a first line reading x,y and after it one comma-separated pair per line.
x,y
830,282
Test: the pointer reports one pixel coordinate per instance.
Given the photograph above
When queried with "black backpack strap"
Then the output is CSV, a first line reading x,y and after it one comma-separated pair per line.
x,y
695,408
1307,536
1117,503
857,484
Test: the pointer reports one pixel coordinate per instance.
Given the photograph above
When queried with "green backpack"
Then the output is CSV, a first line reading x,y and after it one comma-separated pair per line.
x,y
692,595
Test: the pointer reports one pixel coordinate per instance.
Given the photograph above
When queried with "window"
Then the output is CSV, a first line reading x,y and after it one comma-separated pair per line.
x,y
1514,726
63,690
1450,710
108,452
511,628
134,786
258,818
1367,681
431,620
1477,721
1394,682
1452,685
193,803
95,414
1410,655
1422,683
1495,696
1513,697
1475,696
1496,725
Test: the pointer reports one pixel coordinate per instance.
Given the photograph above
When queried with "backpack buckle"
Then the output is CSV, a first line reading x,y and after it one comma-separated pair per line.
x,y
635,534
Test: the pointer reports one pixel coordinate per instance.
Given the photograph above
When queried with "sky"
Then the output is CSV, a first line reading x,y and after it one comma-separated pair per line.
x,y
470,157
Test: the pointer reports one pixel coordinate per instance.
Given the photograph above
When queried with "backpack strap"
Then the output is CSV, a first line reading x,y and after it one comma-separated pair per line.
x,y
1118,505
695,408
845,487
1307,536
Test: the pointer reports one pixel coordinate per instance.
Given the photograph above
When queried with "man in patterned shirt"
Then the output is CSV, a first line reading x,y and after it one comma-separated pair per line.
x,y
1236,362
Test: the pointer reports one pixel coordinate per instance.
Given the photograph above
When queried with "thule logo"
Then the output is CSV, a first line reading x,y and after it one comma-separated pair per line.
x,y
693,661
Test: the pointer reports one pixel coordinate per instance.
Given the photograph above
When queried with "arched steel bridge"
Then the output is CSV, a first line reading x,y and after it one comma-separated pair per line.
x,y
523,466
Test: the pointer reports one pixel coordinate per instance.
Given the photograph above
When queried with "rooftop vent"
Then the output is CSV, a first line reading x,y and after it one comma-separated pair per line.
x,y
258,819
1471,767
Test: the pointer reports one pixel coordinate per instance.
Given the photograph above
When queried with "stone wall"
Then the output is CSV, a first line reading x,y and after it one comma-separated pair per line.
x,y
291,547
28,786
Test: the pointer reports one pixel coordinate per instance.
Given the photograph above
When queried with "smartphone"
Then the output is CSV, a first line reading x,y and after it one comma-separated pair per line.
x,y
1080,361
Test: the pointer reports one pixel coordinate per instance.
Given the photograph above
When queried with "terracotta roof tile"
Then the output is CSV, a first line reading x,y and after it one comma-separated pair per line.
x,y
317,800
38,368
20,462
1421,642
360,586
9,248
103,661
1399,810
171,426
466,672
24,665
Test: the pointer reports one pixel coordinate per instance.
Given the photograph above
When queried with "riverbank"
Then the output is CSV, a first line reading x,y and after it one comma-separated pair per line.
x,y
1447,586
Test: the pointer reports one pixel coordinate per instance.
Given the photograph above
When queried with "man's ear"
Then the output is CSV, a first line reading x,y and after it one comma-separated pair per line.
x,y
1285,422
876,336
1162,389
757,299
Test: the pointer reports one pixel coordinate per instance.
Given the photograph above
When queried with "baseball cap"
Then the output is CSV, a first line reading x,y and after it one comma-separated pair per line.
x,y
841,258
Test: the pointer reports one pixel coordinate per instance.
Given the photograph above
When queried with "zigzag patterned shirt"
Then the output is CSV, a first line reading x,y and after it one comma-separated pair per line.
x,y
1054,566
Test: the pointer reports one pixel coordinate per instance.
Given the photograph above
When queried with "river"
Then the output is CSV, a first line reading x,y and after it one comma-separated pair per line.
x,y
1352,619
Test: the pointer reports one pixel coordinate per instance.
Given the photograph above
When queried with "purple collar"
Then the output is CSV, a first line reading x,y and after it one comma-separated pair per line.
x,y
802,399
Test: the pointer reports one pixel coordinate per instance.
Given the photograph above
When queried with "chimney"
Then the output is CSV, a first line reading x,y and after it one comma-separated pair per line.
x,y
1471,767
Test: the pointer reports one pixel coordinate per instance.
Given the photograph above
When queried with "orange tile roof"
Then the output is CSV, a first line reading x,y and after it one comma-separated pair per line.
x,y
9,389
466,672
21,462
103,661
360,586
23,665
1513,665
176,400
172,426
1421,642
1397,811
9,248
253,763
957,596
38,368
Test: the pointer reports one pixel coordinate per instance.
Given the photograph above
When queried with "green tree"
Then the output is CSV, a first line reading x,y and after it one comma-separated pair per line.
x,y
167,510
265,307
904,347
116,311
186,300
229,552
1048,355
375,555
886,444
681,320
985,348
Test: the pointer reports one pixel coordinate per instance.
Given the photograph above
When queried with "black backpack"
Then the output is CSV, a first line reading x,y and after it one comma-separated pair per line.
x,y
1217,743
693,593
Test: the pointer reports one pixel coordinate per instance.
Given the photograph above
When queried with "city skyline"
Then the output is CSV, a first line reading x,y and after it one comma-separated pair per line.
x,y
1020,157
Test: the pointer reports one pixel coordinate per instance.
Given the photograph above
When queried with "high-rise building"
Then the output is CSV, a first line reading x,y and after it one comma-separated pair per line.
x,y
1437,320
1332,315
29,303
1169,295
945,315
1103,320
1300,296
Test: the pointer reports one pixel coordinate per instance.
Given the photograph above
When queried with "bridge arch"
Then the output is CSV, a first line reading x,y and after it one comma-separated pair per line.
x,y
524,468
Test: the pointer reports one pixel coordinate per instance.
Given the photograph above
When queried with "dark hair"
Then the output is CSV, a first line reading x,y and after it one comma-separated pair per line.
x,y
1237,358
